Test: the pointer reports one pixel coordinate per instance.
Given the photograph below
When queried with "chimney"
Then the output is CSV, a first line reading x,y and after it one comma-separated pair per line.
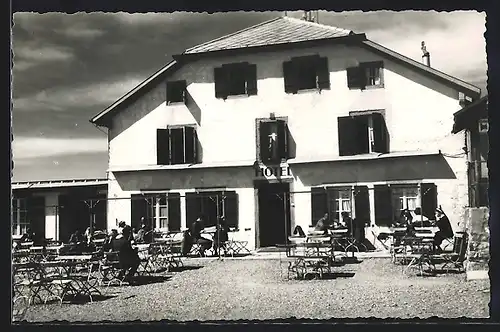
x,y
426,56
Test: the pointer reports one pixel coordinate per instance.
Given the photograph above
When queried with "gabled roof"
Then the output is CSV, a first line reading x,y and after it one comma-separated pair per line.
x,y
280,30
469,114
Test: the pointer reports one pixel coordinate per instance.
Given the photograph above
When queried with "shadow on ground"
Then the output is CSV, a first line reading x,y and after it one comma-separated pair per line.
x,y
331,276
185,268
82,299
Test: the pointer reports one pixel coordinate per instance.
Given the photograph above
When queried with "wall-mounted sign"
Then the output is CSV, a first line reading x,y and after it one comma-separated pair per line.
x,y
273,172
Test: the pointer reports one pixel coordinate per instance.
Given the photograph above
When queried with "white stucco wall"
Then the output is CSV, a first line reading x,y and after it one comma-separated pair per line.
x,y
418,112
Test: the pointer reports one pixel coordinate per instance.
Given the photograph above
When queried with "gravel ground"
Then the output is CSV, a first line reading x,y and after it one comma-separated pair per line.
x,y
255,289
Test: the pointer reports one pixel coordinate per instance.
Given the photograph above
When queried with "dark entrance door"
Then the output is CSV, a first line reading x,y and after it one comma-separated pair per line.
x,y
274,213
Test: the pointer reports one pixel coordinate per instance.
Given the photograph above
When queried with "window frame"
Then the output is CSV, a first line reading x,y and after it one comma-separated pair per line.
x,y
223,80
363,70
169,159
20,221
182,84
258,141
370,132
296,65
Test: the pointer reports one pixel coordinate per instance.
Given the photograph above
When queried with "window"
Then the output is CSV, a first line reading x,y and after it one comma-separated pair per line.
x,y
366,75
176,92
363,133
212,205
335,200
478,165
20,222
304,73
177,145
235,79
390,200
158,210
272,140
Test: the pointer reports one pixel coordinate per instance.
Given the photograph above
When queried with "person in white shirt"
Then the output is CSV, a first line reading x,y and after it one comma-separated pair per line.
x,y
418,218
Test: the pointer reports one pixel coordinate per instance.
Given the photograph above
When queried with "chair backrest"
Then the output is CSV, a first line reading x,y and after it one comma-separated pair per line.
x,y
460,246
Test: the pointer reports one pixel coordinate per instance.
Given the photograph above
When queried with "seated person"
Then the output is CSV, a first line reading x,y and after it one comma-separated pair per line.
x,y
143,233
323,225
128,257
347,222
195,233
109,240
445,229
418,219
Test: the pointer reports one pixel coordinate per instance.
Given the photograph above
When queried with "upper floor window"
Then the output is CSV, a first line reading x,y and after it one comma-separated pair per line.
x,y
177,145
305,73
366,75
272,140
235,79
176,92
362,132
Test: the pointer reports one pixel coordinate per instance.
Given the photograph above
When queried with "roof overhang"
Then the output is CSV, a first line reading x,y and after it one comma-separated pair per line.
x,y
467,116
102,119
462,86
58,184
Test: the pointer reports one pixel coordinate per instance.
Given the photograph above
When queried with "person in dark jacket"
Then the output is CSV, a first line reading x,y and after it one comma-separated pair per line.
x,y
445,229
128,256
195,232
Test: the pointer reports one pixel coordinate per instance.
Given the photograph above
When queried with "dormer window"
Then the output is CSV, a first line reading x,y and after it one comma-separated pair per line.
x,y
366,75
176,92
306,73
272,140
236,79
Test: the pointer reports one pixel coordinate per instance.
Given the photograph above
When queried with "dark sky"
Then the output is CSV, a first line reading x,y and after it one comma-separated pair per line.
x,y
67,68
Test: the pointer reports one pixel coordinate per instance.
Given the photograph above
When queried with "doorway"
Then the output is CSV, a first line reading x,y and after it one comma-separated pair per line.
x,y
274,213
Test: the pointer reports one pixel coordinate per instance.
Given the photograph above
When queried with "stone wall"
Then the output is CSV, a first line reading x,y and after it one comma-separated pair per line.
x,y
476,221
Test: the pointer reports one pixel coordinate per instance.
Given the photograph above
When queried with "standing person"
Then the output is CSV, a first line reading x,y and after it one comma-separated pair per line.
x,y
445,229
128,256
195,231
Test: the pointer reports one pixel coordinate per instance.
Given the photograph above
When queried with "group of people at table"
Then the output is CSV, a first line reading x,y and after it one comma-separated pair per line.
x,y
124,240
409,220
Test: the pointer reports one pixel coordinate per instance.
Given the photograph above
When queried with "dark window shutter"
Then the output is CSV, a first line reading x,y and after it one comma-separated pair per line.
x,y
319,204
429,200
347,131
36,216
220,80
332,195
251,79
231,208
282,139
380,134
190,143
360,135
264,131
355,78
362,204
162,147
140,207
323,73
174,212
383,205
193,208
289,77
177,146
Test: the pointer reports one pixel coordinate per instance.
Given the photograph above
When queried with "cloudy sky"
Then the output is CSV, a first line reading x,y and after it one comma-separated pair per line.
x,y
67,68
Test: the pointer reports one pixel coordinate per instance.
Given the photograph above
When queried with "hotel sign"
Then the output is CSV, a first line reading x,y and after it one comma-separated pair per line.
x,y
273,172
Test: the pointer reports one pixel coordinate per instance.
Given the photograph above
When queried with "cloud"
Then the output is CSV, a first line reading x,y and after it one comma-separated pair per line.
x,y
64,99
28,55
459,49
80,32
37,147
